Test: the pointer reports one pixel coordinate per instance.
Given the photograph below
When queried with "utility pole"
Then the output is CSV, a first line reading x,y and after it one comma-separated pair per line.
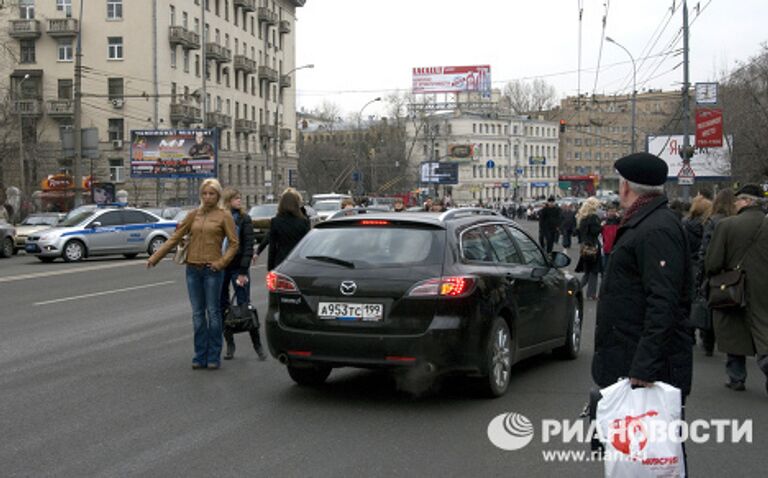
x,y
78,113
687,151
22,175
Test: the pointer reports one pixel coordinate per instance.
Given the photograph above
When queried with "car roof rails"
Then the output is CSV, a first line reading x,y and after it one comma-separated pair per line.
x,y
354,211
112,204
466,211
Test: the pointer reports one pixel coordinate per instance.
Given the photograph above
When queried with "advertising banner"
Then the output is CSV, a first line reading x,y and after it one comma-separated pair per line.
x,y
173,153
461,151
440,173
452,79
709,128
706,162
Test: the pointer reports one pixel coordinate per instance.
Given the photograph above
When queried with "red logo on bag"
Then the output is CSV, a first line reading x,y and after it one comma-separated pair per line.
x,y
629,430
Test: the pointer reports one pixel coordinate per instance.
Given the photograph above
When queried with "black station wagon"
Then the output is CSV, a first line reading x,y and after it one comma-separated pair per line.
x,y
465,291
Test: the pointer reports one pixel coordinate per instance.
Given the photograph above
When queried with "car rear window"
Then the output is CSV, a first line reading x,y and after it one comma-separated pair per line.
x,y
376,245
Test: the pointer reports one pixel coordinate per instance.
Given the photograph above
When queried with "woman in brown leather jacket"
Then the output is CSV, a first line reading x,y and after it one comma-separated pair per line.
x,y
207,226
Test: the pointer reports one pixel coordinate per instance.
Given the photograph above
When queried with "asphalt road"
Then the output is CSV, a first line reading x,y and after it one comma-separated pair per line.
x,y
95,380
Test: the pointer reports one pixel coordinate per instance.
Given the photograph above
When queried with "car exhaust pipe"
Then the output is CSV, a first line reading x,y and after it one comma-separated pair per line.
x,y
283,359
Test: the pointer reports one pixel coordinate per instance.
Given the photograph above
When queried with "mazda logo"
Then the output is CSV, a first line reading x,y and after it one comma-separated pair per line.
x,y
348,287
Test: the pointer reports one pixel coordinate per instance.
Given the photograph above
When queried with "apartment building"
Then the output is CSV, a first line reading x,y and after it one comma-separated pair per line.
x,y
510,157
149,64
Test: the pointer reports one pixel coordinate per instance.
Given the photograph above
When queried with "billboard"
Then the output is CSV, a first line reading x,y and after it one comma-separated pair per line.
x,y
440,173
706,162
452,79
709,127
173,153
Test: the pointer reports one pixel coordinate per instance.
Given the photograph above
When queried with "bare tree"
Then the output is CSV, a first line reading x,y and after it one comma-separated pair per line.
x,y
531,97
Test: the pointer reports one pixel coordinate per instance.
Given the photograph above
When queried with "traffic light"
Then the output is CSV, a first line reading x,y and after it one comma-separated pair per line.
x,y
562,126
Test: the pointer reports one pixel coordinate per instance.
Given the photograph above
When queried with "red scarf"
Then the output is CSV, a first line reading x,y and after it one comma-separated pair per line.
x,y
637,205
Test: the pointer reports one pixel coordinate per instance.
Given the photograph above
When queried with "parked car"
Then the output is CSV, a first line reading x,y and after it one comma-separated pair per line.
x,y
327,207
421,294
35,223
7,233
182,213
164,212
103,231
262,213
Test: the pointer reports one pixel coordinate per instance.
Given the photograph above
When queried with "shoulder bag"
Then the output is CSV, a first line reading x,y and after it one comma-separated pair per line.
x,y
727,290
241,317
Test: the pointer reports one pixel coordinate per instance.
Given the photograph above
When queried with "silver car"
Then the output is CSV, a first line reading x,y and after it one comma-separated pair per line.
x,y
103,231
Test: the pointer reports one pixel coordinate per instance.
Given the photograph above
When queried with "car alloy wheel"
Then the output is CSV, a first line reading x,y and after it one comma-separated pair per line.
x,y
155,244
74,251
7,249
570,350
499,356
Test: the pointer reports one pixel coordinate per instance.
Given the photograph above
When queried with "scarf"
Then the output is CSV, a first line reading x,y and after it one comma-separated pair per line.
x,y
637,205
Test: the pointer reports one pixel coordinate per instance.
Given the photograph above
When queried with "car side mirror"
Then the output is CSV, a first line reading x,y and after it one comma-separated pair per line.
x,y
539,272
560,260
95,224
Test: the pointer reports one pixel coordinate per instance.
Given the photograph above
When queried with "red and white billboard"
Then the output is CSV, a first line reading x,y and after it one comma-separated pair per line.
x,y
709,128
451,79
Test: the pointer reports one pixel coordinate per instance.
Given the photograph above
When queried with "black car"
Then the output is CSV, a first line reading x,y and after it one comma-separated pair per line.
x,y
465,291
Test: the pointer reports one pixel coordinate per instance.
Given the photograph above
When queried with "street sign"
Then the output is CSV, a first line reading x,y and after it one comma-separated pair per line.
x,y
440,173
490,164
709,128
357,176
505,185
706,93
685,177
519,170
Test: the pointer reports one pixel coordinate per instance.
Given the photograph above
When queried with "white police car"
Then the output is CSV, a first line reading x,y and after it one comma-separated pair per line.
x,y
103,231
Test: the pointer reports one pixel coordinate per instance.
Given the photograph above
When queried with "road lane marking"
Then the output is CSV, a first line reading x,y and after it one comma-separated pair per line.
x,y
106,292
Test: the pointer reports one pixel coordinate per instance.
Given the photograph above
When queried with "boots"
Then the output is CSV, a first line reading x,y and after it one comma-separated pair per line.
x,y
230,353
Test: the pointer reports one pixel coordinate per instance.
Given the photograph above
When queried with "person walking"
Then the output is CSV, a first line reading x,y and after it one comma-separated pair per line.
x,y
286,229
641,330
549,222
588,223
237,272
568,225
207,227
610,226
722,207
741,241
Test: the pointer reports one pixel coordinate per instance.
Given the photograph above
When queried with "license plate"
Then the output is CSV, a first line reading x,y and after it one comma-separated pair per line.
x,y
350,312
30,248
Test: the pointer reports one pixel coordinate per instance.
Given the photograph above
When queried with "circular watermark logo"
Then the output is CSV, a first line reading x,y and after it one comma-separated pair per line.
x,y
510,431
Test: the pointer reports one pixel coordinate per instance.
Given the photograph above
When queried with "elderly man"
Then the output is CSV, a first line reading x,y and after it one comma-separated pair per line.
x,y
742,241
645,294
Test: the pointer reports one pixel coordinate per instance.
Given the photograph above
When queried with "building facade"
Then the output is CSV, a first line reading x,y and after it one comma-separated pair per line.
x,y
154,64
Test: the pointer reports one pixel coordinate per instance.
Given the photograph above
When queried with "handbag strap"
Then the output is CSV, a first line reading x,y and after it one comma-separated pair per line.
x,y
752,243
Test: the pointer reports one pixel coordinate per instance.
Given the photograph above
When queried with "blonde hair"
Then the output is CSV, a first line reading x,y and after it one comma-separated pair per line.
x,y
290,203
588,207
700,207
214,184
230,194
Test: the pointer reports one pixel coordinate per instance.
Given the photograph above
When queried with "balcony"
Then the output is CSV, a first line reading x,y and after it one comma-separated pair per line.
x,y
188,40
218,53
243,63
267,16
285,134
267,131
62,27
218,120
28,108
60,109
24,29
246,126
181,113
285,26
267,73
285,81
246,5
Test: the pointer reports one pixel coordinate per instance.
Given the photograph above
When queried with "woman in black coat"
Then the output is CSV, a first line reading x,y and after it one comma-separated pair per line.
x,y
286,229
589,227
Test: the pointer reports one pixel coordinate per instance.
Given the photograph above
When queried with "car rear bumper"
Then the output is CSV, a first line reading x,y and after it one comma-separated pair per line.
x,y
445,344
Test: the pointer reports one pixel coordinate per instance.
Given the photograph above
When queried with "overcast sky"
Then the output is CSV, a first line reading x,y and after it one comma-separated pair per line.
x,y
366,48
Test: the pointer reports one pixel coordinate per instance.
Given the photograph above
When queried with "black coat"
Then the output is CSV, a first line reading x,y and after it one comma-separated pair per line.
x,y
285,231
642,314
589,234
549,218
568,221
242,261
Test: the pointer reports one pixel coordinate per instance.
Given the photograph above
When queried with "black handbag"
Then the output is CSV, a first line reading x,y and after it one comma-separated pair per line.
x,y
727,290
701,316
240,318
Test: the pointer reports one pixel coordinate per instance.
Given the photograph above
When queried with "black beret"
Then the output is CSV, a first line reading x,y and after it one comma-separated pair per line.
x,y
642,168
750,190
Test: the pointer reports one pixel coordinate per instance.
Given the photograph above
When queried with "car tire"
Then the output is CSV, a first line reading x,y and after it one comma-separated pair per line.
x,y
74,251
309,376
47,260
498,360
131,255
7,248
155,244
572,346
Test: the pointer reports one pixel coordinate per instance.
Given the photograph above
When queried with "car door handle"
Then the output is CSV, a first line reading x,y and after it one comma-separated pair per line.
x,y
510,279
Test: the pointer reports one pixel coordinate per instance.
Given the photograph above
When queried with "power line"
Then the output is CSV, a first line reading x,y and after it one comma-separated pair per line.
x,y
602,42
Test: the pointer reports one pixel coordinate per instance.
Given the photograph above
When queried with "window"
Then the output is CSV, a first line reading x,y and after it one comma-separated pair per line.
x,y
137,217
27,51
502,245
226,10
197,65
114,9
474,246
186,60
116,88
65,89
116,170
64,6
115,129
65,50
172,15
185,20
531,253
115,48
173,57
112,218
26,9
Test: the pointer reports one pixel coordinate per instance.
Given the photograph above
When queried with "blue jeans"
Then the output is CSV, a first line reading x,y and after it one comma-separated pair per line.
x,y
242,294
204,287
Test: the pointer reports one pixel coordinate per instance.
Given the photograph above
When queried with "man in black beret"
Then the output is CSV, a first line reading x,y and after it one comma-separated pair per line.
x,y
742,241
645,292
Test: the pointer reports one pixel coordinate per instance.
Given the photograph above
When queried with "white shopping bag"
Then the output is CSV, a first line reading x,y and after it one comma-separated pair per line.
x,y
640,430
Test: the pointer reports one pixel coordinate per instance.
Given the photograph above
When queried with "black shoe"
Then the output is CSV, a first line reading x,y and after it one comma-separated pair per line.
x,y
197,366
230,353
736,386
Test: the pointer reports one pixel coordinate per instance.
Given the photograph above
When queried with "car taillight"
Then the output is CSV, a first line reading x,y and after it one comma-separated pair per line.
x,y
452,286
373,222
281,283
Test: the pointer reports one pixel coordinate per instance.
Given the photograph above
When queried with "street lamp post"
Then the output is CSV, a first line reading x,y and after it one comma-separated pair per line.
x,y
279,127
634,91
359,186
22,175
